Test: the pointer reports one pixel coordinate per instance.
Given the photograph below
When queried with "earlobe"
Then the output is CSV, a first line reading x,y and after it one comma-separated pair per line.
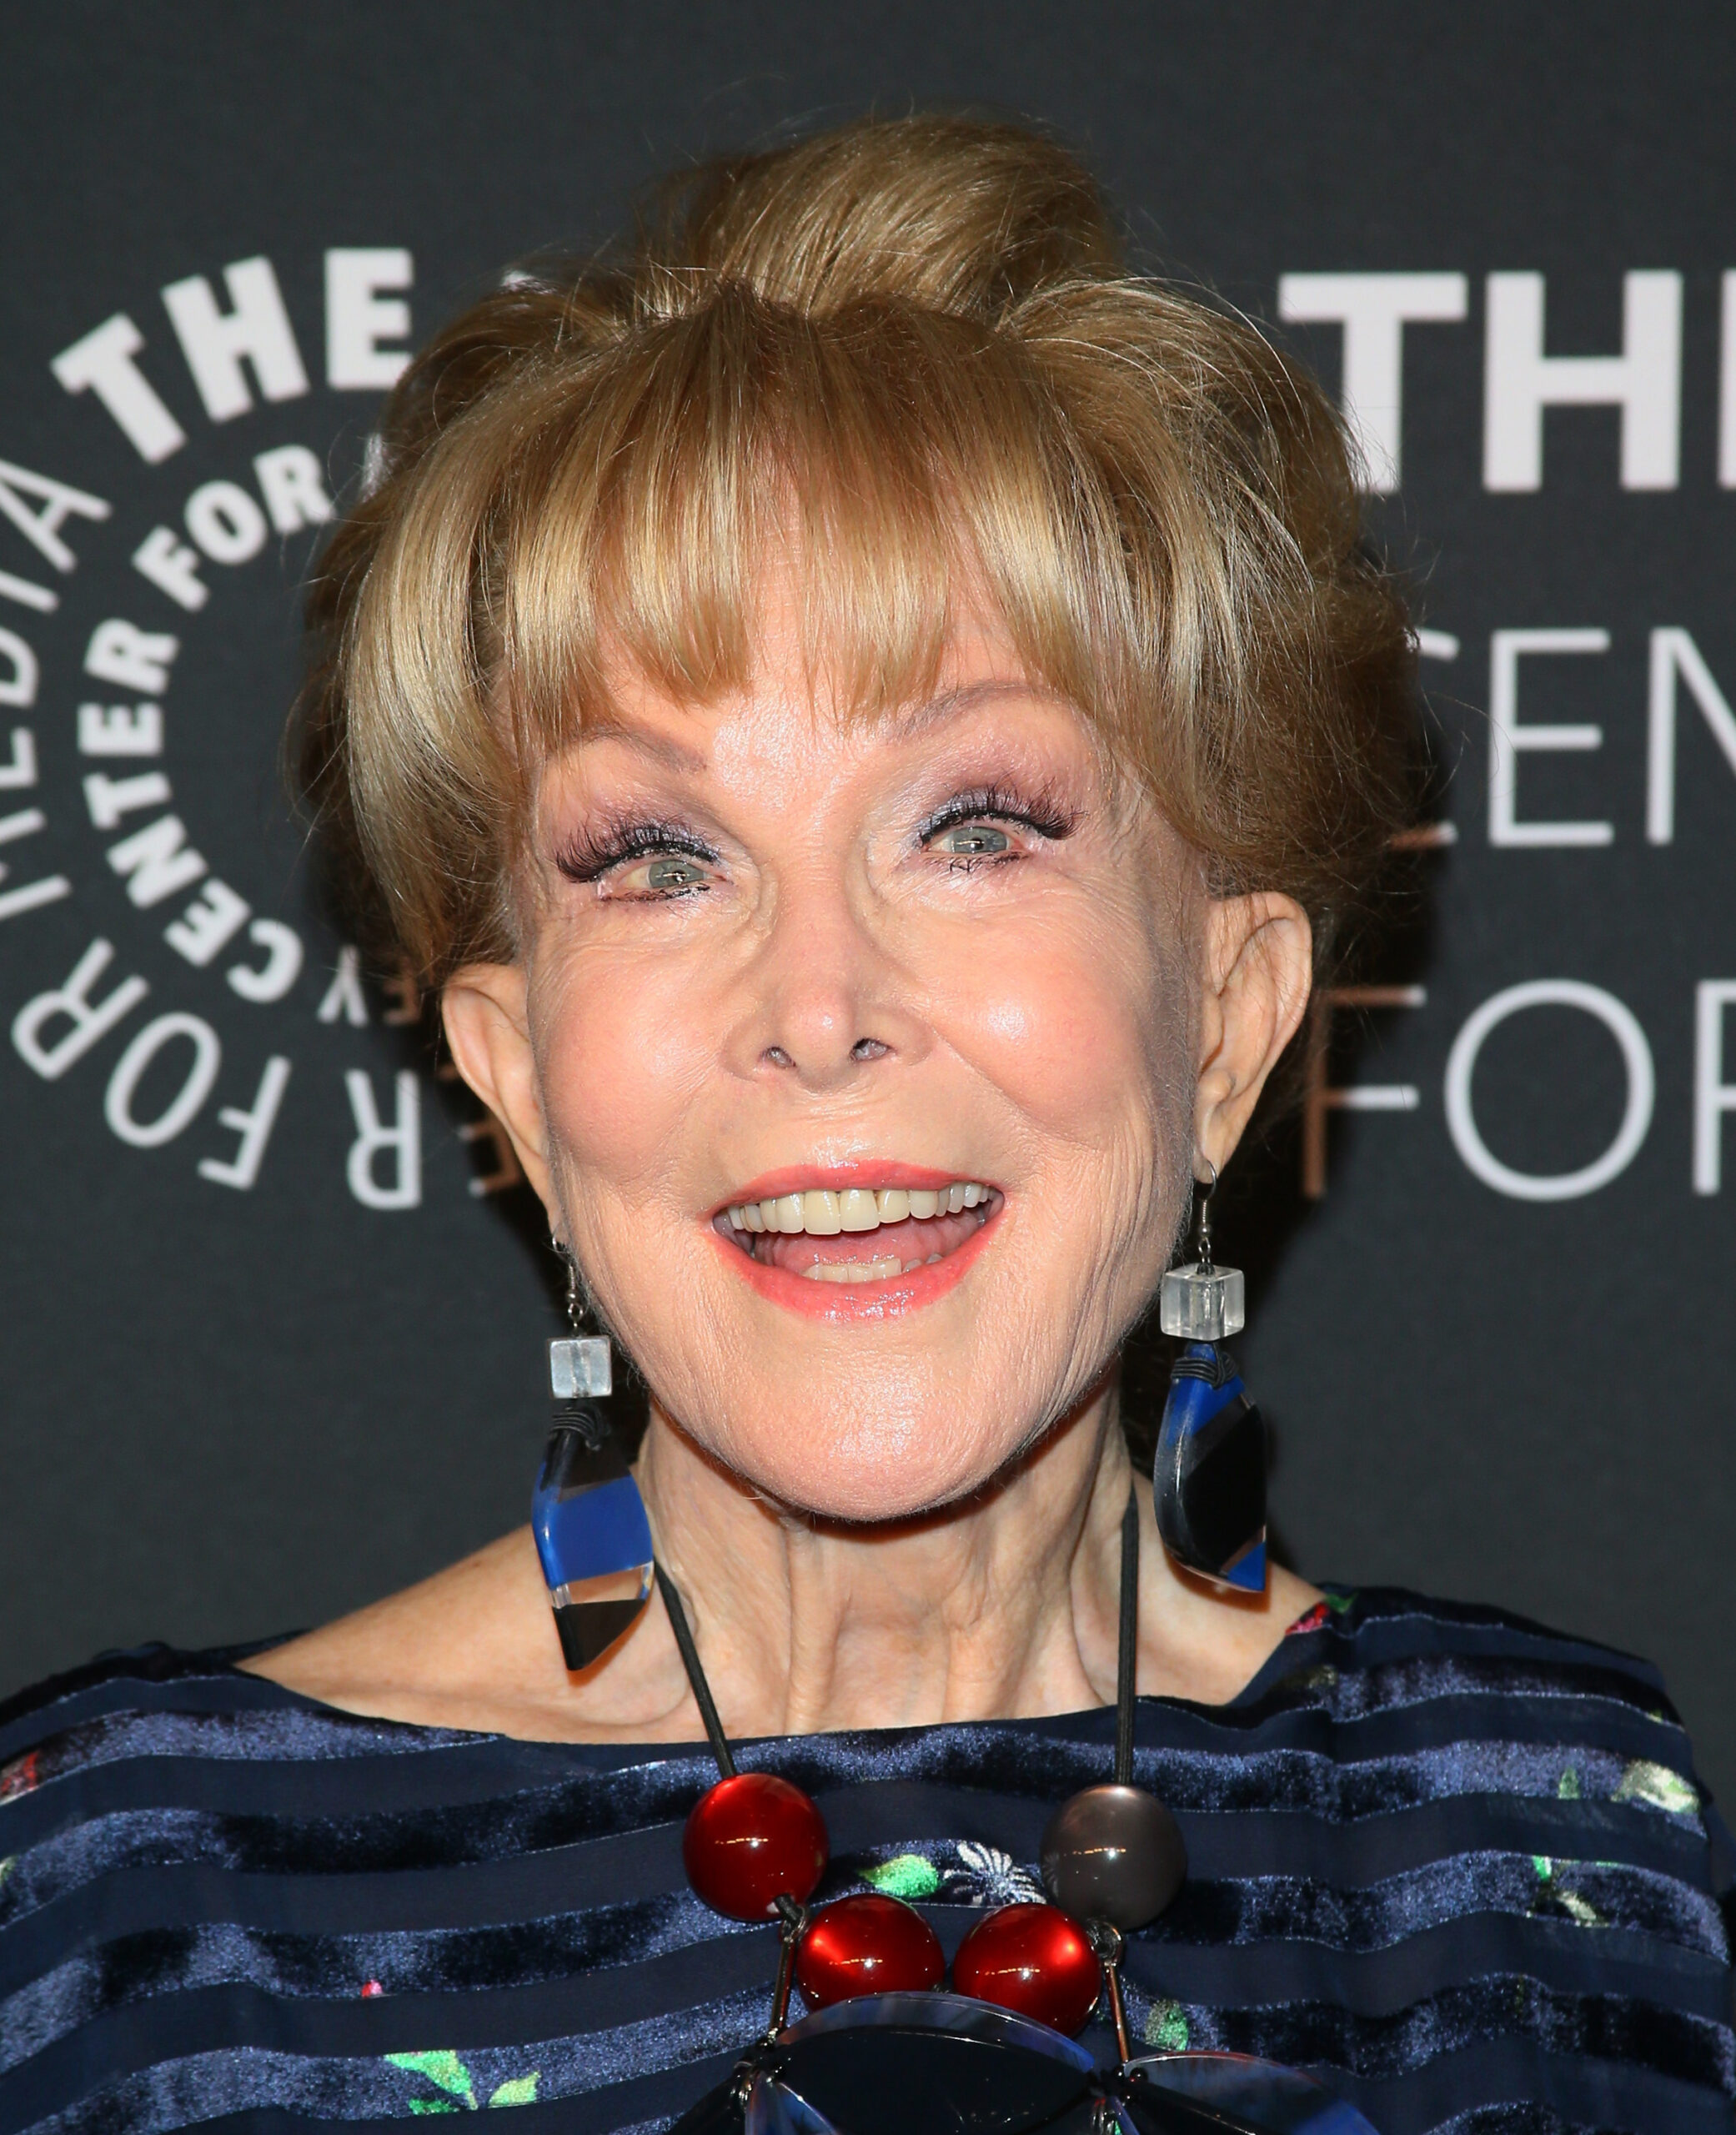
x,y
485,1012
1258,965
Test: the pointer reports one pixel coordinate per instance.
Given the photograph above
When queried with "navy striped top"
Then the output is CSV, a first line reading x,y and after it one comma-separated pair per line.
x,y
1458,1864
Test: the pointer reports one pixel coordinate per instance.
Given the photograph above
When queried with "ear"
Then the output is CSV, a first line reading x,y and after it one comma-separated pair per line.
x,y
1259,962
484,1010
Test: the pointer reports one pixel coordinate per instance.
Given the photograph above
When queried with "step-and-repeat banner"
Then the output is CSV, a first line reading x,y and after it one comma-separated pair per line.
x,y
274,1299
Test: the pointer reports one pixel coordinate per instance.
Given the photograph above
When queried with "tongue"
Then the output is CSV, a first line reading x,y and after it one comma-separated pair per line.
x,y
916,1238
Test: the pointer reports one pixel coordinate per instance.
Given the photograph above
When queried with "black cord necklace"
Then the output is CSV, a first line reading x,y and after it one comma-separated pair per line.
x,y
755,1848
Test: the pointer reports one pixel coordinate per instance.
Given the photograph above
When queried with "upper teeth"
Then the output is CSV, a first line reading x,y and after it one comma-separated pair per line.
x,y
823,1213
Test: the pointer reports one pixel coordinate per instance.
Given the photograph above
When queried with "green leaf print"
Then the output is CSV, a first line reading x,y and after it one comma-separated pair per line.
x,y
1555,1894
1166,2027
443,2068
905,1876
1657,1787
447,2071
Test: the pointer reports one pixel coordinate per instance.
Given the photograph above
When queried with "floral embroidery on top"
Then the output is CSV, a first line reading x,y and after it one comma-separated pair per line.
x,y
1656,1786
1321,1614
963,1874
906,1875
987,1876
1557,1896
450,2075
1166,2027
22,1775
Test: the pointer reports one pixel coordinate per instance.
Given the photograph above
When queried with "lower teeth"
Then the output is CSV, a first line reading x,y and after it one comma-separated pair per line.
x,y
864,1271
852,1271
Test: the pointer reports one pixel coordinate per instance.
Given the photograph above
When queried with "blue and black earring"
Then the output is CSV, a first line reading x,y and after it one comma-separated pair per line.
x,y
1209,1479
588,1517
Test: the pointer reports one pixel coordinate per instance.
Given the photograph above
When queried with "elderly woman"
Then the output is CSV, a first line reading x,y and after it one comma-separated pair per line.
x,y
871,717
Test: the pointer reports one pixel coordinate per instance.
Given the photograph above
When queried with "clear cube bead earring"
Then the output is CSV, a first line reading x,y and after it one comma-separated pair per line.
x,y
592,1535
1209,1479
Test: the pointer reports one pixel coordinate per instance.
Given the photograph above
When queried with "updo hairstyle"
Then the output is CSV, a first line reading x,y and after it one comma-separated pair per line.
x,y
910,353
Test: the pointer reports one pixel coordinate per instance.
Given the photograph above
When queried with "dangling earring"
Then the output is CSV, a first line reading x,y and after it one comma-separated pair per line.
x,y
588,1517
1209,1480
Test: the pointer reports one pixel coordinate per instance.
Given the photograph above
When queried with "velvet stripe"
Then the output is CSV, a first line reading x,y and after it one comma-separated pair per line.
x,y
1478,1897
277,1834
1459,1866
178,1864
1602,2053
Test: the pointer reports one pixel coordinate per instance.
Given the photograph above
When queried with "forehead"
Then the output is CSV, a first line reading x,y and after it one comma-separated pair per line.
x,y
804,583
790,706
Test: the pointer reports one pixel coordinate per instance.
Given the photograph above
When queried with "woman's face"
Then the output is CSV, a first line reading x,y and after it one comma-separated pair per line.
x,y
864,1055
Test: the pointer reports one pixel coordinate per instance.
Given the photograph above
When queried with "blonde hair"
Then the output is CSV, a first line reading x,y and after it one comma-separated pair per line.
x,y
911,350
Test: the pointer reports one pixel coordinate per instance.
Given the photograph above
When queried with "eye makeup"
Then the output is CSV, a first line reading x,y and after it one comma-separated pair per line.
x,y
1043,812
588,854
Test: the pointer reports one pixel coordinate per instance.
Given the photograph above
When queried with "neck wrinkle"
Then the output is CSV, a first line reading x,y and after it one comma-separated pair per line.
x,y
1005,1608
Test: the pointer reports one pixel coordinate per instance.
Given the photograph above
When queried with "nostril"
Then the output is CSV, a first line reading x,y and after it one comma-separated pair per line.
x,y
869,1049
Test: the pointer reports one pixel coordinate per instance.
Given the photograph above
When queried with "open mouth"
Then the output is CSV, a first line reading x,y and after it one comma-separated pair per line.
x,y
859,1234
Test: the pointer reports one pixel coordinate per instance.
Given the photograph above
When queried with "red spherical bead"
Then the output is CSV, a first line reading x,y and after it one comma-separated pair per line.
x,y
752,1840
1034,1960
866,1944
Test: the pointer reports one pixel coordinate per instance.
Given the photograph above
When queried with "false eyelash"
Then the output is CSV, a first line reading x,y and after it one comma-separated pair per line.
x,y
1043,812
590,854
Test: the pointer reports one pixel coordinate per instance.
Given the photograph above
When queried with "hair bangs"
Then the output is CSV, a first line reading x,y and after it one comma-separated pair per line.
x,y
899,465
902,366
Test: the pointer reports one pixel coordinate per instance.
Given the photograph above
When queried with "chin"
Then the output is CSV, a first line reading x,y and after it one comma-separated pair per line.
x,y
869,1463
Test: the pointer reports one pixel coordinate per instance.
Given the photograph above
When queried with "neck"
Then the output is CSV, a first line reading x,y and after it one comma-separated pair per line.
x,y
1004,1603
1005,1606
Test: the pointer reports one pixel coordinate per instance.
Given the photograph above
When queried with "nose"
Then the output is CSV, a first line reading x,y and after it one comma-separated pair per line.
x,y
825,996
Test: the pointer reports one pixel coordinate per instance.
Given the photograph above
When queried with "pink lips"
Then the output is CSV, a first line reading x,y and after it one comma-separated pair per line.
x,y
798,1178
842,1303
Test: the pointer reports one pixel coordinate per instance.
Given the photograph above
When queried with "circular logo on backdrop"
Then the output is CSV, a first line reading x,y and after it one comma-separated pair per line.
x,y
148,653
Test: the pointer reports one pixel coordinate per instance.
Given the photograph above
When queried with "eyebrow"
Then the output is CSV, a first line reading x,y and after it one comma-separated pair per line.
x,y
911,720
661,748
904,724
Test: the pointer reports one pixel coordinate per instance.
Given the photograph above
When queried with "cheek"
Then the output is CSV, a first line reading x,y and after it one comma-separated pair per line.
x,y
1082,1022
619,1057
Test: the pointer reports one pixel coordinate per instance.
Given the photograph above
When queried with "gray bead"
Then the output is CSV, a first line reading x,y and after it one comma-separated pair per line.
x,y
1113,1853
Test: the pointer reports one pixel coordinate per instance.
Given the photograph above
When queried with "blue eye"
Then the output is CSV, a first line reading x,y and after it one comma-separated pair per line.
x,y
676,873
637,859
973,842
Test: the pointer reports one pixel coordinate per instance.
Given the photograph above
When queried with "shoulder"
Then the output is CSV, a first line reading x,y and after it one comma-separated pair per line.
x,y
1481,1844
1471,1700
132,1682
142,1722
1393,1636
159,1763
1383,1647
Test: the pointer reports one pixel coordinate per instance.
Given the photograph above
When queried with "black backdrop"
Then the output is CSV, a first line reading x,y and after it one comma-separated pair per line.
x,y
243,1389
